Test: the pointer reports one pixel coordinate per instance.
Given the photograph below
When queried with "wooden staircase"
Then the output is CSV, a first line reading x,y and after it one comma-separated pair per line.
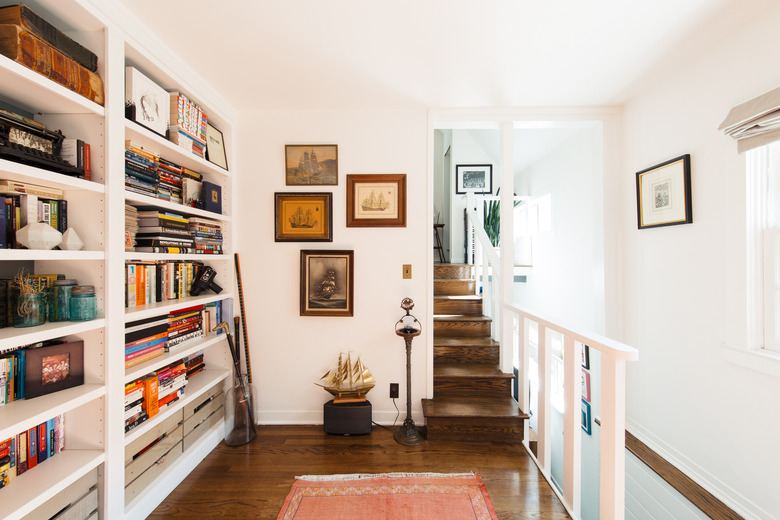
x,y
472,398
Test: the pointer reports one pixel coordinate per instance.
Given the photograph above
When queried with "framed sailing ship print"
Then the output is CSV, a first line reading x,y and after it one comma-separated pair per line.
x,y
303,217
376,200
327,282
311,164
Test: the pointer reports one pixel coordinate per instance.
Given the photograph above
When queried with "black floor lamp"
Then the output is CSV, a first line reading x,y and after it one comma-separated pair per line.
x,y
408,327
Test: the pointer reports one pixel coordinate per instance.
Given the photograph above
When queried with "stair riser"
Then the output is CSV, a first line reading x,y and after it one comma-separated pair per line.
x,y
463,329
475,429
452,271
466,354
471,387
465,307
453,287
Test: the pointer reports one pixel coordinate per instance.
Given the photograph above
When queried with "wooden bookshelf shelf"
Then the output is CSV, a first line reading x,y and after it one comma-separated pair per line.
x,y
38,254
44,481
22,415
36,93
160,308
190,347
11,337
196,386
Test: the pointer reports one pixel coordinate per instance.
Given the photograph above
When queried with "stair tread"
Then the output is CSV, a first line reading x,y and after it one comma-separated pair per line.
x,y
458,297
460,341
460,317
468,370
505,407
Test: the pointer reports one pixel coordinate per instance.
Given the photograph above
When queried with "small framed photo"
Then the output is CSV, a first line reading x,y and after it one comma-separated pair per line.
x,y
474,178
215,147
663,194
53,368
586,419
150,103
585,353
376,200
303,217
585,385
311,164
327,283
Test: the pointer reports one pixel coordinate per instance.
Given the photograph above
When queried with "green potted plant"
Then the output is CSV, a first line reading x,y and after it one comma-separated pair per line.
x,y
491,211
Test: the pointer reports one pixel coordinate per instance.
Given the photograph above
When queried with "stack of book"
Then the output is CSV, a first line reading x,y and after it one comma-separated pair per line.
x,y
134,400
163,232
188,124
207,235
141,169
194,363
170,382
131,226
31,447
145,339
169,186
183,326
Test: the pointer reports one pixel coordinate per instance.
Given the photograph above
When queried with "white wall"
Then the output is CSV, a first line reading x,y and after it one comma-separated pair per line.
x,y
684,286
290,352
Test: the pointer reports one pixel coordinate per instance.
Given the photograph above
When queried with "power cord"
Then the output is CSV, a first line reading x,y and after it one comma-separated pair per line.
x,y
398,414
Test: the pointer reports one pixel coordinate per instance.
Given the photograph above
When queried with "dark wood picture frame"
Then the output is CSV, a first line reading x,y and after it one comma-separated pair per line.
x,y
376,200
663,194
327,282
53,368
301,169
303,217
215,147
585,356
474,178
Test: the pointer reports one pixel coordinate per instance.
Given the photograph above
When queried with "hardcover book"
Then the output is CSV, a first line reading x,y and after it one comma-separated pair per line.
x,y
212,197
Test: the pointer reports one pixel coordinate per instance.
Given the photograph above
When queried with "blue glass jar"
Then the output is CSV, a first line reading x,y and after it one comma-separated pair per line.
x,y
83,305
59,300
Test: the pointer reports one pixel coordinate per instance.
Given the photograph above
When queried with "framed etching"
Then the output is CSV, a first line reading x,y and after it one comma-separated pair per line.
x,y
474,178
663,194
150,102
303,217
53,368
376,200
311,164
327,283
215,147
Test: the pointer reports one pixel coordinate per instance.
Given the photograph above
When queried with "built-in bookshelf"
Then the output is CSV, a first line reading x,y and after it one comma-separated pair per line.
x,y
93,412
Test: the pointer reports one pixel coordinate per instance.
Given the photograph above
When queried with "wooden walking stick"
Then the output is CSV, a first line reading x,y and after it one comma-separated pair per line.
x,y
243,320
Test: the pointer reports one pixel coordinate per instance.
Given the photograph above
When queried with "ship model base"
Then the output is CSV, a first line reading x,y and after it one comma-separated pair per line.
x,y
347,419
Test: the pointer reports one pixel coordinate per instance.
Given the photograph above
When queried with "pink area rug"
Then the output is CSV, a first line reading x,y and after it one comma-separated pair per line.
x,y
405,496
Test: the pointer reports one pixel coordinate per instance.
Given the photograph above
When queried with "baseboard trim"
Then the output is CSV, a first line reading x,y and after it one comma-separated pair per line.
x,y
385,418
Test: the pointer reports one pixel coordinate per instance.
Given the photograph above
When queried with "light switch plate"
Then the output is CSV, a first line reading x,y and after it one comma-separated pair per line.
x,y
407,271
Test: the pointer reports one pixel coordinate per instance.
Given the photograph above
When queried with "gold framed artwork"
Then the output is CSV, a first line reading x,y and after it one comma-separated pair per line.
x,y
376,200
303,217
663,194
311,164
327,283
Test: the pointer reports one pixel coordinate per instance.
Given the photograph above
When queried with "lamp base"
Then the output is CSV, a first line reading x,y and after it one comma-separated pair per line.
x,y
408,435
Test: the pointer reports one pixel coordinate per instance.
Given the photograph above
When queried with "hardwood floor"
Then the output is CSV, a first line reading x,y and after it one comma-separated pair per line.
x,y
252,481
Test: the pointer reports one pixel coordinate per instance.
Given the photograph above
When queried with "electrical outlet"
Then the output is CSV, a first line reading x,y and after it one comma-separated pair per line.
x,y
393,390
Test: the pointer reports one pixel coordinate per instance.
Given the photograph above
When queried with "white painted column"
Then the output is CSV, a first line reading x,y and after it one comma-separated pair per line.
x,y
572,447
544,421
506,292
613,439
523,391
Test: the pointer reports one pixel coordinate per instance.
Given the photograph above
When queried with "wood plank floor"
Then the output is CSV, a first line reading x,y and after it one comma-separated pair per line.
x,y
252,481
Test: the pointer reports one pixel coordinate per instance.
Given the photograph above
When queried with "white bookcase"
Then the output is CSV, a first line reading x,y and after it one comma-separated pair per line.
x,y
94,412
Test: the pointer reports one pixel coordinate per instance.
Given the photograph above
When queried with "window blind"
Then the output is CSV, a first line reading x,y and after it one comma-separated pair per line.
x,y
754,123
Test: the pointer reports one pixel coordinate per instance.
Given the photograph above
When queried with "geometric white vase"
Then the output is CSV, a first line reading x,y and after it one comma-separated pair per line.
x,y
71,241
39,236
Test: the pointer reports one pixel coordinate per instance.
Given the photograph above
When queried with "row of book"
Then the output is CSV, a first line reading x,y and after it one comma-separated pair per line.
x,y
147,173
151,337
30,448
167,232
151,282
12,367
145,397
34,204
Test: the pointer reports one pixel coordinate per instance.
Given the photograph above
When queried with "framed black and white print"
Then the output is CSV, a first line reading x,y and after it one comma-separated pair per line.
x,y
663,194
474,178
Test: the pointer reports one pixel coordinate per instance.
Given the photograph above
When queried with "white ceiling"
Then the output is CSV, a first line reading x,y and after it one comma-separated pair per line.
x,y
336,54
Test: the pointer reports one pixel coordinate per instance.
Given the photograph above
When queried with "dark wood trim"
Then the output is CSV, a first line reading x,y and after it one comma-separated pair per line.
x,y
700,497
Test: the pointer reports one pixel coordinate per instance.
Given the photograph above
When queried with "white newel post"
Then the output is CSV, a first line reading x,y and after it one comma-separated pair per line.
x,y
507,243
613,438
572,447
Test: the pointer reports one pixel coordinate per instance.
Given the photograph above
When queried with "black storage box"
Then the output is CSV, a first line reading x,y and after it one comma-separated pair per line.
x,y
347,418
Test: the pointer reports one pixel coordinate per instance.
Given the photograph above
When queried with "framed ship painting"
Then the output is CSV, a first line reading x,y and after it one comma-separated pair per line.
x,y
303,217
376,200
327,283
311,164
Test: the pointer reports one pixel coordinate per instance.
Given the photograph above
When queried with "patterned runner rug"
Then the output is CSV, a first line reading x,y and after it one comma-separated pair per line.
x,y
405,496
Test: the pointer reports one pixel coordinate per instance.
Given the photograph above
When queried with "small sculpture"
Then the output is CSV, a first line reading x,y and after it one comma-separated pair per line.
x,y
39,236
71,241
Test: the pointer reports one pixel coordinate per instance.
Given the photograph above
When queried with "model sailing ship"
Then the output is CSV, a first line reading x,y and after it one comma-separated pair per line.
x,y
348,382
374,203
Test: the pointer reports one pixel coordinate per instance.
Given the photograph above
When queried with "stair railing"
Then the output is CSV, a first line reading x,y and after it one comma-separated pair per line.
x,y
487,267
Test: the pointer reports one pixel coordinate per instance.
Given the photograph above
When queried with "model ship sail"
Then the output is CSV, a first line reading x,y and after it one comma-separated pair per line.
x,y
374,203
348,382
